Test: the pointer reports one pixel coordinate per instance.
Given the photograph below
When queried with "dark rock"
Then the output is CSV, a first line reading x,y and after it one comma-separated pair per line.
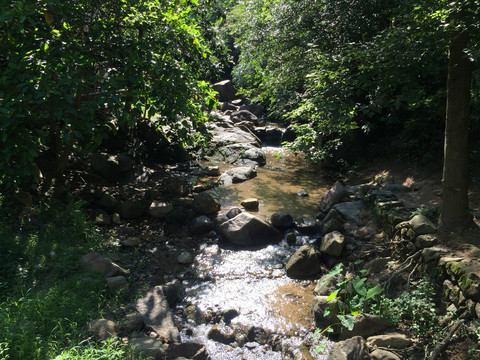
x,y
258,335
132,208
233,212
351,211
302,194
148,346
226,90
396,188
273,136
291,238
255,155
282,220
243,115
365,325
237,175
250,204
248,230
204,203
229,314
307,226
117,283
350,349
380,354
174,292
99,264
192,351
160,209
319,305
332,197
289,134
327,285
228,106
422,225
333,222
256,109
222,334
107,166
201,225
383,195
425,241
303,263
102,329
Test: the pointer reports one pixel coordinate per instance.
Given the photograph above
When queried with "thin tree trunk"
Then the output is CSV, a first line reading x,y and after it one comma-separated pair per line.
x,y
455,214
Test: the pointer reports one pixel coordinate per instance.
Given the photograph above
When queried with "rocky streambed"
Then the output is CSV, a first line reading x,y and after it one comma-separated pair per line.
x,y
228,255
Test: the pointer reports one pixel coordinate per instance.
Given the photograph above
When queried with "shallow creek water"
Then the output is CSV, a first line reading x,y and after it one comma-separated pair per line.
x,y
253,281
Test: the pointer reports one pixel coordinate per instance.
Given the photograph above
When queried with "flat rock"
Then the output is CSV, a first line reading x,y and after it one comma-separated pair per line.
x,y
148,346
188,350
365,325
237,175
351,211
250,204
157,314
393,340
354,348
380,354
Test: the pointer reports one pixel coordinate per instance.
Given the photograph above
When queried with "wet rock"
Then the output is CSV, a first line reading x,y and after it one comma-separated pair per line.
x,y
257,334
380,354
200,225
156,313
160,209
192,351
174,292
333,222
273,136
102,329
221,334
97,263
229,314
117,283
243,115
327,285
237,175
351,211
250,204
307,226
303,263
185,258
213,170
291,238
255,155
333,197
204,203
319,305
289,134
332,244
422,225
148,346
131,241
248,230
281,220
226,90
393,340
350,349
365,325
233,212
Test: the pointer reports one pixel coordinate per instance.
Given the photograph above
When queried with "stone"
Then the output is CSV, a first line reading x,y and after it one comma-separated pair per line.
x,y
380,354
256,109
333,222
200,225
116,219
426,241
432,254
132,322
97,263
250,204
226,90
188,350
255,155
229,314
422,225
147,346
327,285
156,313
131,241
477,310
257,334
383,196
228,106
237,175
393,340
350,349
185,258
102,329
233,212
332,244
204,203
319,305
336,193
174,292
351,211
289,134
243,115
376,265
273,136
291,238
246,229
103,219
281,220
132,208
303,263
213,170
117,283
24,198
363,233
365,325
160,209
307,226
222,334
107,166
396,188
107,202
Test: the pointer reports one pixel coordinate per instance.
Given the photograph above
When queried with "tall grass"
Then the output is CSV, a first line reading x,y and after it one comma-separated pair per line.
x,y
46,300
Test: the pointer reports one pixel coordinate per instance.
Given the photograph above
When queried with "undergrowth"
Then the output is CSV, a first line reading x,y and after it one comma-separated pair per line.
x,y
46,301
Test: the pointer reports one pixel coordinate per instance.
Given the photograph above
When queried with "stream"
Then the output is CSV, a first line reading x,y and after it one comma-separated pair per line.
x,y
251,283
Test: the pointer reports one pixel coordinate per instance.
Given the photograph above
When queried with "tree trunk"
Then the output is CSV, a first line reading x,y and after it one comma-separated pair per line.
x,y
455,214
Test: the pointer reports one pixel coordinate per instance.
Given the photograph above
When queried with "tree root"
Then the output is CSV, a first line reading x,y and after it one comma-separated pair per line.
x,y
404,267
439,348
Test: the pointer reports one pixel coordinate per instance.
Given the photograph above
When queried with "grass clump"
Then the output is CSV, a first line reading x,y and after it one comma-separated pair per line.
x,y
46,301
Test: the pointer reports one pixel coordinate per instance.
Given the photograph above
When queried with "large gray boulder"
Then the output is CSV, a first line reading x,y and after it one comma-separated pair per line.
x,y
157,314
336,193
256,109
351,211
226,90
237,175
255,155
97,263
243,115
365,325
332,243
248,230
303,263
282,220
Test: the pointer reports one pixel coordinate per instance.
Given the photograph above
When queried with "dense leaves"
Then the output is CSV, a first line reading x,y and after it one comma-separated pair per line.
x,y
72,72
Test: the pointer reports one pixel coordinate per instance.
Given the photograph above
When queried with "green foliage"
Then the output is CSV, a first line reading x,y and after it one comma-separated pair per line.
x,y
416,307
45,299
431,212
105,350
71,72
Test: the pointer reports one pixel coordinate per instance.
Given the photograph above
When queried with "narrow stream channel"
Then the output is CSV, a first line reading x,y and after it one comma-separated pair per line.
x,y
252,283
